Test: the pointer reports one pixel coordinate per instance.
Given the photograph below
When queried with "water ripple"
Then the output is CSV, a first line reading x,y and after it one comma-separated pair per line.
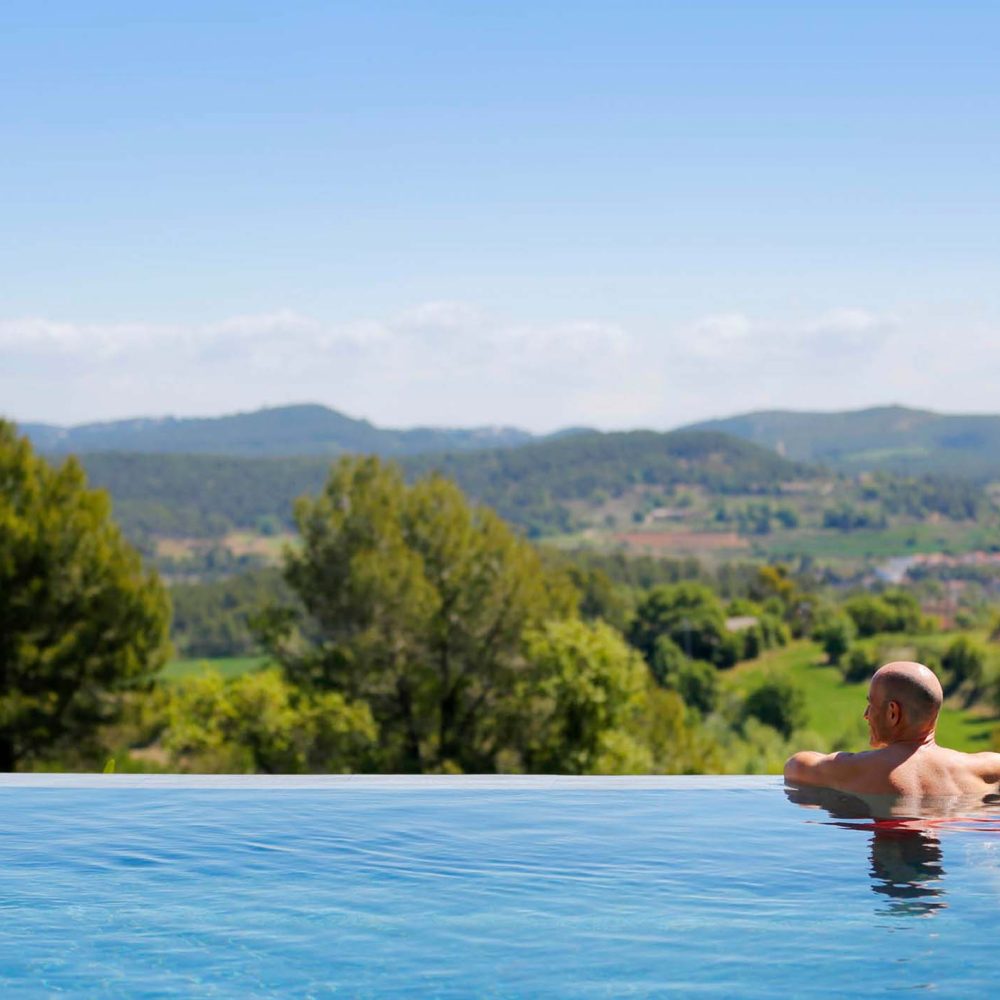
x,y
449,892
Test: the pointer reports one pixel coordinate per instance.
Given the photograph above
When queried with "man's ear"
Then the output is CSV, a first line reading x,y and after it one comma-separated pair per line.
x,y
895,712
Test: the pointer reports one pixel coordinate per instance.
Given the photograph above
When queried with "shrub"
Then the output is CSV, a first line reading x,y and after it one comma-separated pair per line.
x,y
667,660
859,665
697,682
731,649
777,703
893,611
260,722
835,635
963,663
690,614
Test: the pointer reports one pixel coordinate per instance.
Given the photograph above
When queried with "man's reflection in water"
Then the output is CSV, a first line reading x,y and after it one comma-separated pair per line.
x,y
906,866
905,852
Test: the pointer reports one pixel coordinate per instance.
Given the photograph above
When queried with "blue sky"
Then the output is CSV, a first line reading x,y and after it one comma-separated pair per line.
x,y
628,214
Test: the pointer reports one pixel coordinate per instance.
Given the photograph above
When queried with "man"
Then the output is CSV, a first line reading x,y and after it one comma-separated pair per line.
x,y
903,704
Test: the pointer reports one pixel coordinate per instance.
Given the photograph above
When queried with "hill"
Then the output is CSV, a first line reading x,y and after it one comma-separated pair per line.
x,y
887,438
532,486
202,496
280,431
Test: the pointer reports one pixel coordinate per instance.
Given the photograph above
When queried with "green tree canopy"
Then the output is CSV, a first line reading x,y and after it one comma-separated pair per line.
x,y
963,663
584,690
690,614
696,681
80,621
259,722
835,633
892,611
777,703
416,603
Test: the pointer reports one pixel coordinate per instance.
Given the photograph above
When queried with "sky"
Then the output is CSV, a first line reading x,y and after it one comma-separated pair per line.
x,y
536,214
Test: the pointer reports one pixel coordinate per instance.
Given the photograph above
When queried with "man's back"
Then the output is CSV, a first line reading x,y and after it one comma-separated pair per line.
x,y
925,770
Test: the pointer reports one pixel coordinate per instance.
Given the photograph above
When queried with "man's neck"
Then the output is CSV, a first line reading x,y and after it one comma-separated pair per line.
x,y
927,739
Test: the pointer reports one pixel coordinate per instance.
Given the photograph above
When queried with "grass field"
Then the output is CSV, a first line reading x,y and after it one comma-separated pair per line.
x,y
836,709
230,666
897,540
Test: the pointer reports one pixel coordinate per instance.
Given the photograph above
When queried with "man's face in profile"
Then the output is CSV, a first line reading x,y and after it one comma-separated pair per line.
x,y
873,715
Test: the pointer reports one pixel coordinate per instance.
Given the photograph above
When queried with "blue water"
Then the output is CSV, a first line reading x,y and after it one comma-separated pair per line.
x,y
607,888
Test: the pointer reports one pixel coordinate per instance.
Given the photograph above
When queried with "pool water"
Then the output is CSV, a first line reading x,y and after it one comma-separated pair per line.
x,y
449,887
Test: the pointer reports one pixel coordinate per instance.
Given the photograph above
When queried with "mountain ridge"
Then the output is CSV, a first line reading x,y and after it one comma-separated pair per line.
x,y
287,431
185,494
891,438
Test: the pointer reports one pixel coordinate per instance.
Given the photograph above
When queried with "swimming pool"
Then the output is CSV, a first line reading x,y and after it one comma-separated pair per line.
x,y
507,887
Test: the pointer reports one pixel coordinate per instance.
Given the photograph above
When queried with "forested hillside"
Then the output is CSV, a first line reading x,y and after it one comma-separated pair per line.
x,y
286,430
531,486
202,495
886,438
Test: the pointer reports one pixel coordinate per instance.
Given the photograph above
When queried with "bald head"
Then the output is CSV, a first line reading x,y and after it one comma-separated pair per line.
x,y
914,687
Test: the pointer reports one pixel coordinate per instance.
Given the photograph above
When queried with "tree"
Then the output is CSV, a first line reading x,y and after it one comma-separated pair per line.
x,y
963,663
677,743
584,689
81,622
893,611
600,598
835,634
994,628
667,661
690,614
860,665
782,595
416,603
779,704
696,681
211,618
259,722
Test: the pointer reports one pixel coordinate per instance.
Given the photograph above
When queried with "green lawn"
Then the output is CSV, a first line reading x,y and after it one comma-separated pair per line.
x,y
228,666
836,709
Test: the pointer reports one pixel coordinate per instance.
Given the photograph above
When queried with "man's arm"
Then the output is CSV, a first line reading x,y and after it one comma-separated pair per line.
x,y
829,770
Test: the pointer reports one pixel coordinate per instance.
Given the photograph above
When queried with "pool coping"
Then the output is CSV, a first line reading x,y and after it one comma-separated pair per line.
x,y
396,782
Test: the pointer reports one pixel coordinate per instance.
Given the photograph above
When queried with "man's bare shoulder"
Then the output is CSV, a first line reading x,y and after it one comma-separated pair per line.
x,y
987,766
983,764
831,770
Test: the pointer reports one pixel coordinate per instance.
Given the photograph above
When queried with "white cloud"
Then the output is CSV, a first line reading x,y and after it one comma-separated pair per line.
x,y
37,336
457,317
717,337
440,362
447,362
735,337
842,359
